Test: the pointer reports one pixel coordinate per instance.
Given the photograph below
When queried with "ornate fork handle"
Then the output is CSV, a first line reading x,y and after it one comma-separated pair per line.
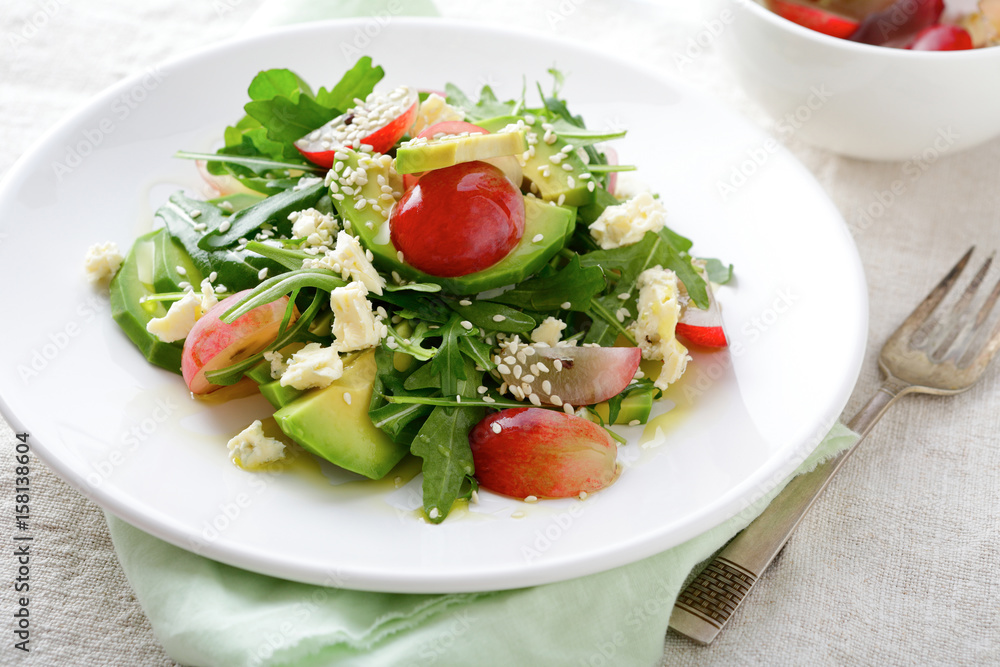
x,y
703,608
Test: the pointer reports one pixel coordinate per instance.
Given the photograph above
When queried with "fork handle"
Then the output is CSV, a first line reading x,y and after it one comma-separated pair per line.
x,y
708,602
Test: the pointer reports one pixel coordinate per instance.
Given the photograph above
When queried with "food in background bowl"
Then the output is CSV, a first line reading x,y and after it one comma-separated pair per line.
x,y
921,25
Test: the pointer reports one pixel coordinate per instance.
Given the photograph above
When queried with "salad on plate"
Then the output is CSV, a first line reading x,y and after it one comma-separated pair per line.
x,y
403,272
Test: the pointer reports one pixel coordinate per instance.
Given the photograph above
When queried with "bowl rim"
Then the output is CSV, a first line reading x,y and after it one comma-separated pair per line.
x,y
889,52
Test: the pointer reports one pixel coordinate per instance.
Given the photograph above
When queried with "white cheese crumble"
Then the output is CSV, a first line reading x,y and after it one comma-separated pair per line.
x,y
102,261
182,314
659,312
252,449
434,110
355,325
314,366
278,364
549,331
626,223
351,261
315,227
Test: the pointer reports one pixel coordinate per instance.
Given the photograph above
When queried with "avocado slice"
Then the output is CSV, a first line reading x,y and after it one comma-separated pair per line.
x,y
557,183
635,407
327,425
419,155
552,223
134,281
278,395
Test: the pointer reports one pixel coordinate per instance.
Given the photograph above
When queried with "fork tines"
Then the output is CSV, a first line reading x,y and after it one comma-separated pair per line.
x,y
944,333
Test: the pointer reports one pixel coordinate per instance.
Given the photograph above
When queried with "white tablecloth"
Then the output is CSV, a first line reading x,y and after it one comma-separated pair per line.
x,y
898,564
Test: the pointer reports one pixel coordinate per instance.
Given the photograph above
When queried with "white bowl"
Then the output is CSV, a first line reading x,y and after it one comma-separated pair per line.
x,y
869,102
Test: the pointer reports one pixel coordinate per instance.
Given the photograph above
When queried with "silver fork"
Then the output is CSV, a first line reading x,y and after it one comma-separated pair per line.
x,y
930,353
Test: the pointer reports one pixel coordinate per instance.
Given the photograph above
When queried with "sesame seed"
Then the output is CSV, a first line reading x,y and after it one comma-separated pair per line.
x,y
224,227
220,289
583,495
458,398
503,388
567,166
565,305
555,400
634,422
568,409
195,214
624,295
496,427
531,499
538,238
262,274
557,364
488,399
546,386
465,302
510,360
434,513
499,318
466,324
590,186
517,372
347,397
481,389
570,181
213,276
399,255
181,270
561,200
517,515
535,400
504,369
542,368
528,378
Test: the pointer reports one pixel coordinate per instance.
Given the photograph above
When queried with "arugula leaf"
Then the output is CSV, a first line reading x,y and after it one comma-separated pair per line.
x,y
666,249
447,363
236,269
443,444
484,314
573,284
357,83
487,106
396,420
718,272
273,211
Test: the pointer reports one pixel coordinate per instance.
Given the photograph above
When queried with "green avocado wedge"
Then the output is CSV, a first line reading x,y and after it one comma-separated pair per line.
x,y
333,423
552,180
546,228
414,157
134,281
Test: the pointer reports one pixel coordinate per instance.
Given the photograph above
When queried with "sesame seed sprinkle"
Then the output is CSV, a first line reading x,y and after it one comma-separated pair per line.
x,y
499,318
347,397
495,426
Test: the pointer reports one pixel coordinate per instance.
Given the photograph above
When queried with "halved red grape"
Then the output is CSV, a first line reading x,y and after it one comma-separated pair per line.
x,y
458,220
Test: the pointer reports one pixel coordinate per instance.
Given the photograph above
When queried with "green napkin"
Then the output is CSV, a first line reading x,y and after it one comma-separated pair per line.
x,y
207,613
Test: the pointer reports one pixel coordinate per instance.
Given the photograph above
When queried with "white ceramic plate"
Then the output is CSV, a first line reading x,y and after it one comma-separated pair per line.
x,y
129,436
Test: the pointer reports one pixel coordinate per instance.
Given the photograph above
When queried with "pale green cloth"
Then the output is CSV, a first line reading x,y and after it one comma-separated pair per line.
x,y
209,614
